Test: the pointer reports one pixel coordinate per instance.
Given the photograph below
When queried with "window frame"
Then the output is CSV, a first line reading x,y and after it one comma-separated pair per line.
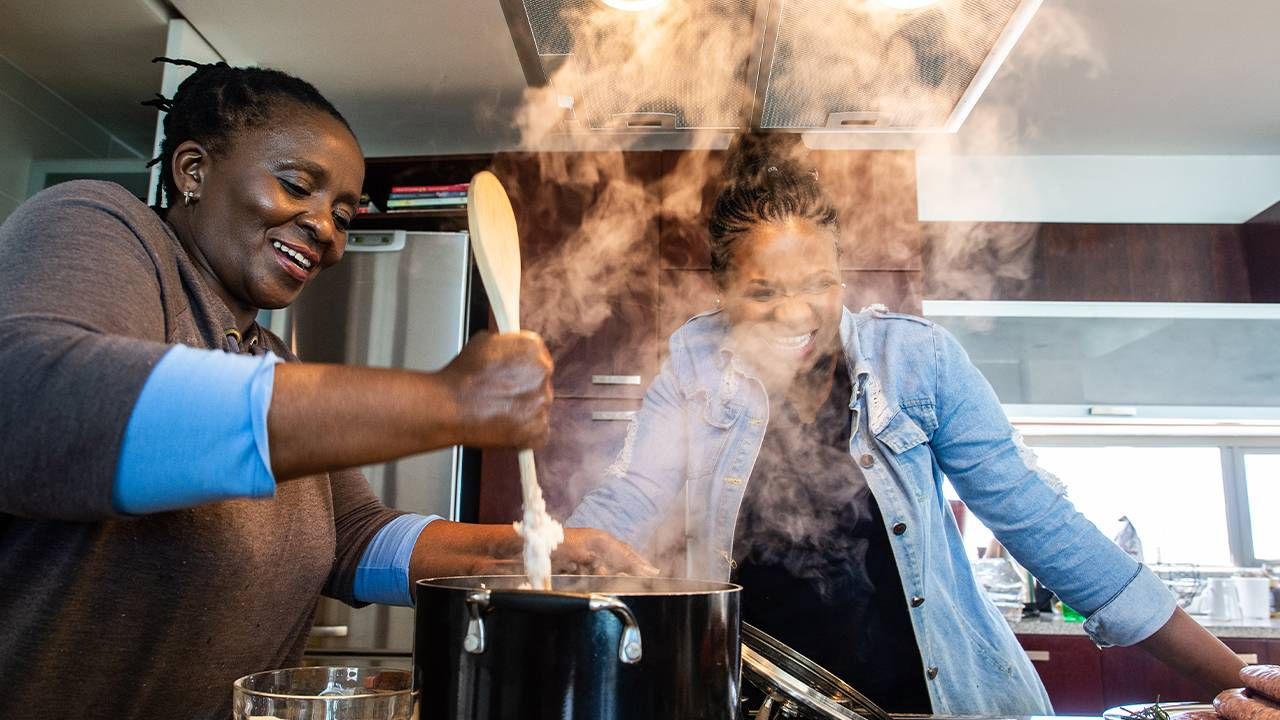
x,y
1245,554
1232,450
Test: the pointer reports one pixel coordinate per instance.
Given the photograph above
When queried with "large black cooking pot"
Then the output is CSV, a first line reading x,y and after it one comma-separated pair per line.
x,y
594,648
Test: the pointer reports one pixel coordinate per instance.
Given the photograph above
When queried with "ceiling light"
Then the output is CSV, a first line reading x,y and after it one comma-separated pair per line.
x,y
902,4
637,5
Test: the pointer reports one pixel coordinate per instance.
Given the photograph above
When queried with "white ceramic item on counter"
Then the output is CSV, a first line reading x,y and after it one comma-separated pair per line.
x,y
1221,600
1255,597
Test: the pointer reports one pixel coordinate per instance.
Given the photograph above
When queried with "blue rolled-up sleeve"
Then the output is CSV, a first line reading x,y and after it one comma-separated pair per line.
x,y
383,573
1135,613
197,433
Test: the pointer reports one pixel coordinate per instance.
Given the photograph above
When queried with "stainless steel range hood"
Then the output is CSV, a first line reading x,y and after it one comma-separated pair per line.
x,y
784,65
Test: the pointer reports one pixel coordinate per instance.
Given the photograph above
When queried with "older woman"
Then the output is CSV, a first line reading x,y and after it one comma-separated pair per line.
x,y
172,501
810,445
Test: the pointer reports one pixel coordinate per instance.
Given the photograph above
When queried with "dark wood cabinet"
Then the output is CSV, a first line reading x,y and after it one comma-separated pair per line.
x,y
1130,675
1087,262
1082,679
588,227
875,195
690,182
1262,255
589,245
588,434
1071,669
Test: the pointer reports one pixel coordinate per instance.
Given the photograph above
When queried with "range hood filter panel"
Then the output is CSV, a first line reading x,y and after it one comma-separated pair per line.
x,y
588,52
887,70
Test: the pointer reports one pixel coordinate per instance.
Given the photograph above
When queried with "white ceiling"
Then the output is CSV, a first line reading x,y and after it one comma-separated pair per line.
x,y
412,77
1165,77
1090,77
96,55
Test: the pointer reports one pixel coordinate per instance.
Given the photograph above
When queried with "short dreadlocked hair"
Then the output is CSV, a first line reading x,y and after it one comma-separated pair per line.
x,y
216,102
765,182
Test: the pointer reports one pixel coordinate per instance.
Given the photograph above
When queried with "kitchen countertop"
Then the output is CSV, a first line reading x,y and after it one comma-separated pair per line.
x,y
1054,625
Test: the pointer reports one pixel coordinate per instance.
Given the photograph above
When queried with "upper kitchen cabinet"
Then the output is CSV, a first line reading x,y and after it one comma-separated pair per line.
x,y
1158,362
873,191
1111,262
1262,255
589,243
690,182
729,65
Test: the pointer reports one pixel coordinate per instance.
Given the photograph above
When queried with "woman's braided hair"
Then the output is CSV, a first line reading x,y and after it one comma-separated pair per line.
x,y
216,102
765,181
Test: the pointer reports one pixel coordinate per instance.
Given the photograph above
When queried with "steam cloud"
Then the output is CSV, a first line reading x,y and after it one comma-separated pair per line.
x,y
691,59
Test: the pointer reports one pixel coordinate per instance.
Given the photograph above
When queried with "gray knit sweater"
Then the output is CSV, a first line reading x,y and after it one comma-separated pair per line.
x,y
135,617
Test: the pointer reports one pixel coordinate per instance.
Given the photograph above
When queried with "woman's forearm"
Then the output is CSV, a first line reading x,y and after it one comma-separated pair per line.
x,y
496,393
326,417
1195,653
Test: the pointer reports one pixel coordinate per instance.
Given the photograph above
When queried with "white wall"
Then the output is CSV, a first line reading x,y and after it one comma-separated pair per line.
x,y
182,42
1096,188
36,124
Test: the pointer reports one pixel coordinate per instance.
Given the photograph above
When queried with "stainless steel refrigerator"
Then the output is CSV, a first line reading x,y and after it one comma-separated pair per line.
x,y
398,299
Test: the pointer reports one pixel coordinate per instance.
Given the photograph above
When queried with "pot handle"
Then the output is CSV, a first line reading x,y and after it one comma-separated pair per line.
x,y
479,601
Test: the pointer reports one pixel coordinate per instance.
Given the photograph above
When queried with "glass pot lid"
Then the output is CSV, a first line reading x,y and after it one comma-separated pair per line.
x,y
796,687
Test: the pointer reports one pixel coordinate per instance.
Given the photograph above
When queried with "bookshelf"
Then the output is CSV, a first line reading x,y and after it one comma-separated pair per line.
x,y
442,220
381,174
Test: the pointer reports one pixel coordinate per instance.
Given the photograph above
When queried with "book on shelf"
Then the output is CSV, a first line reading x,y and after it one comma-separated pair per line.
x,y
366,206
414,196
455,187
427,202
438,208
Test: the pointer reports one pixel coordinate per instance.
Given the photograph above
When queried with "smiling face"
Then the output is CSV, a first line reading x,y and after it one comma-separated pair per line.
x,y
273,207
783,296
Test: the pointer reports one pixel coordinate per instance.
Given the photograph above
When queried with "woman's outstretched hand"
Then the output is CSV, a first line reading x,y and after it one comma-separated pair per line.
x,y
449,548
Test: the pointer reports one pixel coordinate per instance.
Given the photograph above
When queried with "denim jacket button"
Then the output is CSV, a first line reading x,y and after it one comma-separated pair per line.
x,y
917,600
867,460
899,528
933,672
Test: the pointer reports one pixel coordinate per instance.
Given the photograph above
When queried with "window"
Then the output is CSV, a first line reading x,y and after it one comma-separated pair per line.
x,y
1262,491
1200,501
1164,491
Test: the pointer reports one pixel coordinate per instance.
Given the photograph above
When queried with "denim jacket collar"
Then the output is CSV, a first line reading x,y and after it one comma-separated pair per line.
x,y
855,361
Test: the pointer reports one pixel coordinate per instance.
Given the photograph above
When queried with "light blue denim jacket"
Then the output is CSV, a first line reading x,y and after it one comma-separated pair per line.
x,y
922,411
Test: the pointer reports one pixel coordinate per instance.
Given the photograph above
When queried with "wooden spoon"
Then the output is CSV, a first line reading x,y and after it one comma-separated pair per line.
x,y
496,244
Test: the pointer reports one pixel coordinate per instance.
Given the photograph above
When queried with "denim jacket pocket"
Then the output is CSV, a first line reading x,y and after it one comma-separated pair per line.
x,y
720,412
901,433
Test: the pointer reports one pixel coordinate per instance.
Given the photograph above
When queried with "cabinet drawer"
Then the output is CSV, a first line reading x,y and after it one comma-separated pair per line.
x,y
586,436
1070,668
